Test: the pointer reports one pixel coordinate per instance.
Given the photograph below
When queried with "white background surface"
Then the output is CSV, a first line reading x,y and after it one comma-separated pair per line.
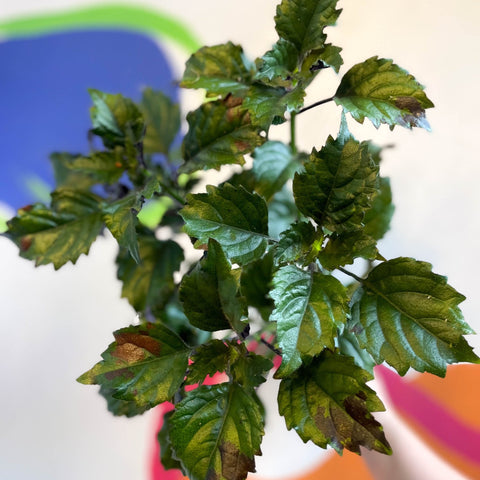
x,y
55,325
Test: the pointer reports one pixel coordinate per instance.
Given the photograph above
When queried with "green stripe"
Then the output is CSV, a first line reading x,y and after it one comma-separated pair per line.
x,y
138,19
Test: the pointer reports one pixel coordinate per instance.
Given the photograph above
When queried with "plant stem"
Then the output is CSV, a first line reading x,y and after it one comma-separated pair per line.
x,y
350,274
293,146
316,104
174,195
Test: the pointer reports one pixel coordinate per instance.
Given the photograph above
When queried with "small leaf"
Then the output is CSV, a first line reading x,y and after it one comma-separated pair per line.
x,y
384,93
409,317
210,293
267,105
218,134
208,359
348,345
162,117
302,22
247,368
119,407
58,234
343,249
338,183
149,284
116,119
296,242
328,56
329,403
220,70
146,365
273,165
309,307
233,217
216,432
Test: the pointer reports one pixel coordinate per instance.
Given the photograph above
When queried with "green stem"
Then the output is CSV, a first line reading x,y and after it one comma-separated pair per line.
x,y
316,104
174,195
293,145
350,274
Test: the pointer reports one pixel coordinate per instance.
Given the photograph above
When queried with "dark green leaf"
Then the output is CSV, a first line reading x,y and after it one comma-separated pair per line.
x,y
116,119
233,217
296,242
309,307
348,345
343,249
247,368
208,359
377,218
328,56
146,365
220,70
149,284
409,317
216,432
384,93
273,165
219,133
162,118
210,293
329,403
166,450
58,234
338,183
256,282
302,22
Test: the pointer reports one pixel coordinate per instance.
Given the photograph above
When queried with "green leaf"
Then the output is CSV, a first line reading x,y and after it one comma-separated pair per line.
x,y
162,117
343,249
210,293
348,345
256,282
273,165
276,67
302,22
328,56
247,368
167,455
233,217
329,403
208,359
384,93
119,407
219,133
67,177
296,242
116,119
282,212
216,432
149,284
338,183
267,105
220,70
309,307
377,218
409,317
58,234
146,365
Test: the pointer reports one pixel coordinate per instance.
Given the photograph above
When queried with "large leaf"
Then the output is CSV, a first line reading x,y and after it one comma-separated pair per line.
x,y
146,365
210,293
219,133
384,93
409,317
338,183
329,403
162,118
116,119
302,22
273,165
216,432
233,217
220,70
149,284
309,307
58,234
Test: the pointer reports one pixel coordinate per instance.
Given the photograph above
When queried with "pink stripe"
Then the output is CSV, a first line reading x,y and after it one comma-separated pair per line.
x,y
432,416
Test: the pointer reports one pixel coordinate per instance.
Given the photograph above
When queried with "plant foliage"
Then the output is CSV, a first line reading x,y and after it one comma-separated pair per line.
x,y
273,238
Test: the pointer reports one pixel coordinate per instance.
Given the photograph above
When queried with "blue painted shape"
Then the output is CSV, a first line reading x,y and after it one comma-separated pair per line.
x,y
44,99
